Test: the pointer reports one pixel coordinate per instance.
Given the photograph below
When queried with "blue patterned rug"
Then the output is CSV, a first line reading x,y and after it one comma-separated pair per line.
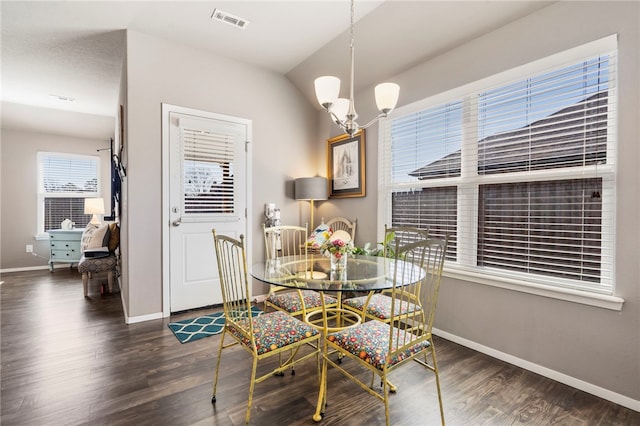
x,y
203,326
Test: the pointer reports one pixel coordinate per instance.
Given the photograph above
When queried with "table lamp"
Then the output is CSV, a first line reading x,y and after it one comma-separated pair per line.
x,y
311,189
94,206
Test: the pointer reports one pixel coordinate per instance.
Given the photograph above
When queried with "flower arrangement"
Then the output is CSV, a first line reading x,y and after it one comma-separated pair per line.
x,y
337,247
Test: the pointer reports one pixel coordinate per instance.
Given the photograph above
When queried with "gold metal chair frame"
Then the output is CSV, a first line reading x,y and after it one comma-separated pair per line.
x,y
288,240
403,235
408,337
232,269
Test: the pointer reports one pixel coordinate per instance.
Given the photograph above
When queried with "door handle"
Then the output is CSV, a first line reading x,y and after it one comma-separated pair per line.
x,y
176,222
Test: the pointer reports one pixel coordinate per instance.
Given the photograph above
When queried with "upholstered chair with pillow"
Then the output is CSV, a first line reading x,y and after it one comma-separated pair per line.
x,y
99,246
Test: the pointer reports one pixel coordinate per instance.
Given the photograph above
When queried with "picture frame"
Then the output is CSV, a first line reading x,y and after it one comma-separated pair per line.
x,y
346,168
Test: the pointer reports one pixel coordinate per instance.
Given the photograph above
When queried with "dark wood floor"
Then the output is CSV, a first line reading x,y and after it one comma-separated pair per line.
x,y
67,360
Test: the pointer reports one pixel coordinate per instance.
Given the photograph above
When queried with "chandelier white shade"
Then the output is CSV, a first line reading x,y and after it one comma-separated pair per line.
x,y
339,109
386,96
327,90
342,110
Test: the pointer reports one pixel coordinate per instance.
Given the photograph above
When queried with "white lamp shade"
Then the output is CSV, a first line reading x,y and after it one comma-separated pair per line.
x,y
387,96
340,108
311,188
327,90
93,206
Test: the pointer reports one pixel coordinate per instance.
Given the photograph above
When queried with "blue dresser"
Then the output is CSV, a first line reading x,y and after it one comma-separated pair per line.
x,y
64,246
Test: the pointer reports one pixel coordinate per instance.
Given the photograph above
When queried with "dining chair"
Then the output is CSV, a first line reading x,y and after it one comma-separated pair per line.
x,y
341,223
382,347
290,240
377,306
264,335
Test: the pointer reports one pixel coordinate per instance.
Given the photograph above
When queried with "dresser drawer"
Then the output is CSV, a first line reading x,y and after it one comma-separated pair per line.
x,y
65,245
60,255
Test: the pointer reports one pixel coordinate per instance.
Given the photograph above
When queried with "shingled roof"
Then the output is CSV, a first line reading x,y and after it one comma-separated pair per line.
x,y
574,135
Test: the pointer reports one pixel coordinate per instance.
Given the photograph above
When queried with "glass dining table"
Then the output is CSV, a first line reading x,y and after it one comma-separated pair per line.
x,y
363,274
314,272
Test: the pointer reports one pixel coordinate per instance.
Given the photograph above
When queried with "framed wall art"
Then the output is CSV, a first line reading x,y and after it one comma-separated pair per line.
x,y
346,170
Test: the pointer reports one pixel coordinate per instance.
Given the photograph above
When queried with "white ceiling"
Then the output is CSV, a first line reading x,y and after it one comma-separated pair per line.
x,y
75,48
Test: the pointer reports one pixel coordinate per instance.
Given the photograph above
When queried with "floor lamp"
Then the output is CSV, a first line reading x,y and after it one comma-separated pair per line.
x,y
311,189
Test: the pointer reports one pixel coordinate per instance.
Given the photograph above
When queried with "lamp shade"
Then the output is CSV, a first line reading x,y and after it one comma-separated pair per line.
x,y
93,206
340,108
311,188
327,90
386,96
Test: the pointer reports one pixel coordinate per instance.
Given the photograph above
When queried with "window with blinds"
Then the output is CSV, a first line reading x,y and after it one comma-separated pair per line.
x,y
208,160
517,169
65,180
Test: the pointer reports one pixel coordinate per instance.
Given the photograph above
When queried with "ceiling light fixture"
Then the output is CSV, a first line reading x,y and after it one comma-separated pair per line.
x,y
342,110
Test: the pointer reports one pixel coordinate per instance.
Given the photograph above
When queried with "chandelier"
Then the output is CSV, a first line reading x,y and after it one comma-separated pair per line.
x,y
342,110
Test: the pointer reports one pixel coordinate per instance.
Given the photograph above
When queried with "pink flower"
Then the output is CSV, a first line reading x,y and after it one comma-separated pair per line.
x,y
337,247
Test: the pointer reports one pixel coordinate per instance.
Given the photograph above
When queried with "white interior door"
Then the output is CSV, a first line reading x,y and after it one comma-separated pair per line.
x,y
208,189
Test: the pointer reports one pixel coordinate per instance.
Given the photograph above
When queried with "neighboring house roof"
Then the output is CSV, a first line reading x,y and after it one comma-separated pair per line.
x,y
576,134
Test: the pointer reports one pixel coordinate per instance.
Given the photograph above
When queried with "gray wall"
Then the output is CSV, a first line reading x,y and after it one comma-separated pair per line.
x,y
283,139
19,150
598,346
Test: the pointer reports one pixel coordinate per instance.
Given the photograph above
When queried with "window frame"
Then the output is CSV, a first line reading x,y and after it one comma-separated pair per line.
x,y
41,194
465,266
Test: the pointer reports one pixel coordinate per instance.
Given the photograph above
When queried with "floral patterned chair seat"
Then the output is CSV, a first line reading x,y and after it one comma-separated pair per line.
x,y
370,343
267,331
291,302
379,306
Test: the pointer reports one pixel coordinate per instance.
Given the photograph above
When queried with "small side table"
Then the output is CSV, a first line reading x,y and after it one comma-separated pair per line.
x,y
64,246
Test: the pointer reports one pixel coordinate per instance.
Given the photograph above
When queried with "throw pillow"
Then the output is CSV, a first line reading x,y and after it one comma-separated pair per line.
x,y
95,237
319,236
86,236
340,235
114,237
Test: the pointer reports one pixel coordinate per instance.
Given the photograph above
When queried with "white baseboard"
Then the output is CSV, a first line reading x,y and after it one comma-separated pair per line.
x,y
598,391
35,268
142,318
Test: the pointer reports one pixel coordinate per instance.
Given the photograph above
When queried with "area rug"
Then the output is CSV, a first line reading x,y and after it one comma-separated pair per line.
x,y
197,328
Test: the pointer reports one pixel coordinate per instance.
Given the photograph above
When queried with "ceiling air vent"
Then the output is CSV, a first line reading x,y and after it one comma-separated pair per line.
x,y
230,19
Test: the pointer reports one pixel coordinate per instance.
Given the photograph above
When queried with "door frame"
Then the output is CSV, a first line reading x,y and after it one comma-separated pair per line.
x,y
166,222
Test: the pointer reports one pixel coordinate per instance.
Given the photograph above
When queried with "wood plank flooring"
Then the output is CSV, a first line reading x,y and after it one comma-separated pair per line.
x,y
67,360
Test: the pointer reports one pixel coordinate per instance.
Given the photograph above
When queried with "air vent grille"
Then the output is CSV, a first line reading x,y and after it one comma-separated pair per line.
x,y
230,19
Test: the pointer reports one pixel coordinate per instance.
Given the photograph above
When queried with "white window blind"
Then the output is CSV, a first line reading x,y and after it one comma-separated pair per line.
x,y
208,162
554,120
517,169
65,180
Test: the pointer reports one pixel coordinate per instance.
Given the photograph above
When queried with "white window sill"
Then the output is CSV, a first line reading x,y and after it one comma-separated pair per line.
x,y
592,299
41,237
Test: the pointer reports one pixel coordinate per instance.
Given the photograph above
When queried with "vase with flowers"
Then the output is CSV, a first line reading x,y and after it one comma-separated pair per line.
x,y
338,247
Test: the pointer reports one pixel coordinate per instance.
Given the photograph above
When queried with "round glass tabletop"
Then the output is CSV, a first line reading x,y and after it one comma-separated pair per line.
x,y
314,272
